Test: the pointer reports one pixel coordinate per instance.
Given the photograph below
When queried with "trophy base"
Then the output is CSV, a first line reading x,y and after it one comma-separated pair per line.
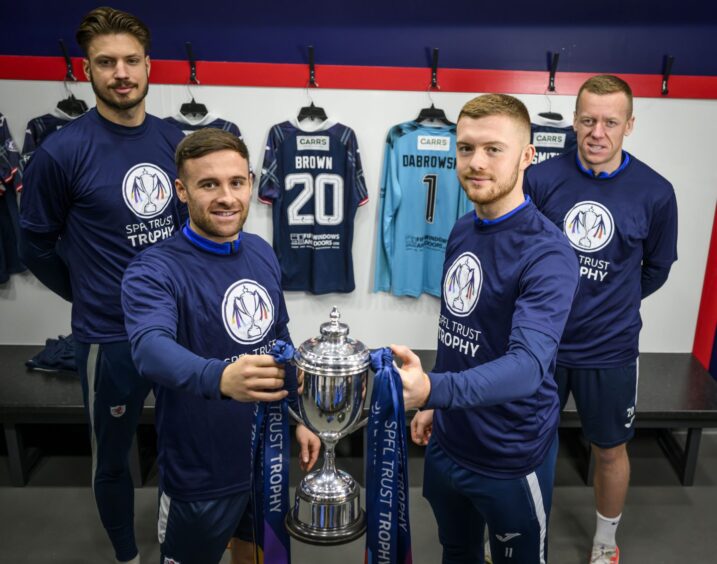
x,y
325,537
327,510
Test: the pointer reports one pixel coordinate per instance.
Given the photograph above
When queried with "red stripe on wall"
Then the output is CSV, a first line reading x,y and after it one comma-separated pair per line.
x,y
212,73
707,316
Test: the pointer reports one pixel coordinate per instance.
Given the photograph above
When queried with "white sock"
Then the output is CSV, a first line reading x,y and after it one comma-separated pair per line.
x,y
605,530
135,560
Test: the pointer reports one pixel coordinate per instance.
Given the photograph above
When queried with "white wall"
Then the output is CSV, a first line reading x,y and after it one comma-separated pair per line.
x,y
672,136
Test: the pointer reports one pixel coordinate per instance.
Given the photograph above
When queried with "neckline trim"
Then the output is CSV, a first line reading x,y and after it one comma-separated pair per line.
x,y
484,222
228,248
603,175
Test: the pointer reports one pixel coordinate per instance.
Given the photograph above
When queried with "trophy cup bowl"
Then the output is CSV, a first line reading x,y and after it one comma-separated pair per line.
x,y
327,508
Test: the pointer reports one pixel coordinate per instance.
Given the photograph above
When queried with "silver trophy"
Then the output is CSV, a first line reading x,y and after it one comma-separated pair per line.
x,y
327,509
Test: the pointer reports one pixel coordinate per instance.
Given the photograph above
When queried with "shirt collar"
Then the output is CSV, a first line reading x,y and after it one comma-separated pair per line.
x,y
228,248
604,175
478,221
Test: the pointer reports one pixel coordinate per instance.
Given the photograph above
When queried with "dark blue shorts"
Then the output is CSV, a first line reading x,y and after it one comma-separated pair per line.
x,y
516,511
606,399
197,532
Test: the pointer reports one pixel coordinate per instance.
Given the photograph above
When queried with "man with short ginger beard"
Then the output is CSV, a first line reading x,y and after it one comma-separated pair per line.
x,y
489,408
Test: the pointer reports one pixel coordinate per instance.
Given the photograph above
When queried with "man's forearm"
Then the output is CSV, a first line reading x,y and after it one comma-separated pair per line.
x,y
652,278
39,253
161,359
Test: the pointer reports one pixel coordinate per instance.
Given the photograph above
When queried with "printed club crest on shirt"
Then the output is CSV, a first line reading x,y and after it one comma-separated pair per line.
x,y
147,190
589,226
247,311
462,285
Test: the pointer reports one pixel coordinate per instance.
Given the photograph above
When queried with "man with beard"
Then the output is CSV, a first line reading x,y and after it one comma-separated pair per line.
x,y
203,311
490,405
96,193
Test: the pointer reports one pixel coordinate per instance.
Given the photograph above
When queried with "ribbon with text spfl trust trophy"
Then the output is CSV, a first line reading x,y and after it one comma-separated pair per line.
x,y
388,534
270,473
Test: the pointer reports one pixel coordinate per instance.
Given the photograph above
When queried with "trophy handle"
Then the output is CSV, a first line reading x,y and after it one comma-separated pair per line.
x,y
361,424
295,415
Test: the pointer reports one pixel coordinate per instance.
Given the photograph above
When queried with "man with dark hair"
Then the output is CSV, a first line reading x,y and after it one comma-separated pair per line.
x,y
620,217
99,191
203,310
490,405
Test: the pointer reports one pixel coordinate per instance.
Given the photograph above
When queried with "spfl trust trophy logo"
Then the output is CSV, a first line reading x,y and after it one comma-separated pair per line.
x,y
248,311
589,226
462,285
147,190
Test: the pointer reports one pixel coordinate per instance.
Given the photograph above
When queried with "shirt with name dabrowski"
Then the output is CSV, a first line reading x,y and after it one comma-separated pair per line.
x,y
617,224
108,191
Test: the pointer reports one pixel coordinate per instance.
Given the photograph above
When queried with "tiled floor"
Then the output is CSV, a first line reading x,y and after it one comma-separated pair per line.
x,y
53,519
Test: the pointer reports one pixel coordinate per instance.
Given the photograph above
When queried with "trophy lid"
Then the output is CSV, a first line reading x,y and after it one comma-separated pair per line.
x,y
333,353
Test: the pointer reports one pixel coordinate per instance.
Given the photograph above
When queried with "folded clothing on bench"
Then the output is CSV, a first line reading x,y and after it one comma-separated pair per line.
x,y
58,354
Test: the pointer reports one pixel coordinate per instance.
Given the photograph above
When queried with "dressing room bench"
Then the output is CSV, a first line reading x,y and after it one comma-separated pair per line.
x,y
41,398
675,394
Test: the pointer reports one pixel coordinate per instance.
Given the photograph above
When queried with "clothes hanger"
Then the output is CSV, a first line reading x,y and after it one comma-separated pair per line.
x,y
312,111
433,113
553,59
550,114
192,109
71,106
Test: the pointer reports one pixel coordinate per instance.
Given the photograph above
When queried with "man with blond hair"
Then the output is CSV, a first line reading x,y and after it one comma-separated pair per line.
x,y
620,217
490,405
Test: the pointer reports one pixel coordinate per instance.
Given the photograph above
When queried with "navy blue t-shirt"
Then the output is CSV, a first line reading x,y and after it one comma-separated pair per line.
x,y
314,182
498,277
615,223
219,307
108,190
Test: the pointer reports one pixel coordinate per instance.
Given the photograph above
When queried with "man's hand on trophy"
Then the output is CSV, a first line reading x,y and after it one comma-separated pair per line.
x,y
416,385
422,427
253,377
309,445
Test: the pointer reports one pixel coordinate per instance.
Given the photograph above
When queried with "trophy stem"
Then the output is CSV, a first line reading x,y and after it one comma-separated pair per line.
x,y
329,467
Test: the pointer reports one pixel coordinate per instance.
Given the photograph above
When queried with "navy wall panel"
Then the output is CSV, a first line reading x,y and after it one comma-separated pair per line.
x,y
621,36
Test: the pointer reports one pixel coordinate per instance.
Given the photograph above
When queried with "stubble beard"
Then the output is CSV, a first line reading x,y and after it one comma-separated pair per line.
x,y
500,190
119,106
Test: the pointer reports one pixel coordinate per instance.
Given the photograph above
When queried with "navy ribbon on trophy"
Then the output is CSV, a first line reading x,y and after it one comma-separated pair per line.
x,y
388,534
270,472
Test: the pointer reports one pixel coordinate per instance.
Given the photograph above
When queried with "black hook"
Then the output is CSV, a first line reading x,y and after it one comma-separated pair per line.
x,y
667,70
312,68
192,64
69,75
434,69
553,67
